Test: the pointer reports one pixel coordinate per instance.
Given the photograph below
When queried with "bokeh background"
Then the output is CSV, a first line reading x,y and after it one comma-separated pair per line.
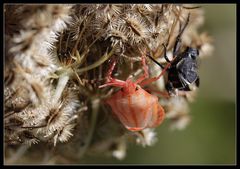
x,y
210,138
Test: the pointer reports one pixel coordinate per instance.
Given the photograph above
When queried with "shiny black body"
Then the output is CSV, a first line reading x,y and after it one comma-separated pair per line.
x,y
183,69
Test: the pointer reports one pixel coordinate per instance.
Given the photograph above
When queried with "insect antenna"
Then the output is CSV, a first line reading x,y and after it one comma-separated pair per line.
x,y
178,39
155,61
185,25
193,7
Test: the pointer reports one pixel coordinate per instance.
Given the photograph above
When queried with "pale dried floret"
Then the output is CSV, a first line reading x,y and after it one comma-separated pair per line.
x,y
120,151
180,123
147,137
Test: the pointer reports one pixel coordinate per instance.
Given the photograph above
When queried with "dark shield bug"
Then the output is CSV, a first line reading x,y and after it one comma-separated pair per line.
x,y
183,68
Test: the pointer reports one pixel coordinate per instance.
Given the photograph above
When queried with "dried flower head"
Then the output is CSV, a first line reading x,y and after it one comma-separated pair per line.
x,y
56,59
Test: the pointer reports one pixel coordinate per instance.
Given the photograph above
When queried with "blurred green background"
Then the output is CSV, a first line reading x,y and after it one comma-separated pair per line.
x,y
210,138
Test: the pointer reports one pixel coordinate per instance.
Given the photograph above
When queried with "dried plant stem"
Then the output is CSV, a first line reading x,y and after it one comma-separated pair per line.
x,y
47,157
98,63
95,102
63,79
79,59
83,90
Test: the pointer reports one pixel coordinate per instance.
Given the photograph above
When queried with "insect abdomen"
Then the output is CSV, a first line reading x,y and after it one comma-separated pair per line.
x,y
136,111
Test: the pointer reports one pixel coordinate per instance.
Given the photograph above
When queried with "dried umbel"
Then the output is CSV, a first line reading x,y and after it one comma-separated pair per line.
x,y
57,57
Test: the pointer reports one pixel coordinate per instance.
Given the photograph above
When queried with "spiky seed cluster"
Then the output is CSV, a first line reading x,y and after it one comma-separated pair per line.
x,y
54,65
137,29
28,91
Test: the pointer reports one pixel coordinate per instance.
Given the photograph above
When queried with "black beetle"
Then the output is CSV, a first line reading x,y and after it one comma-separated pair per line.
x,y
182,71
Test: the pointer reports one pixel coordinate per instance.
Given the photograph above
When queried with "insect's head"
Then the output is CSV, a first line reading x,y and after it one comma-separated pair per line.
x,y
192,53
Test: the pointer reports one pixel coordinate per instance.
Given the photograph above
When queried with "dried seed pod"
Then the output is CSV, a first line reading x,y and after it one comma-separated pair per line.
x,y
136,28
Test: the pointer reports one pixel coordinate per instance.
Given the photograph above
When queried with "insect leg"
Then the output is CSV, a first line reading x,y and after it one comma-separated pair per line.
x,y
155,61
145,67
165,53
112,81
109,73
150,80
169,87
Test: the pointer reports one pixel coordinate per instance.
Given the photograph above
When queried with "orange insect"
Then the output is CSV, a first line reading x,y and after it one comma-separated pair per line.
x,y
136,108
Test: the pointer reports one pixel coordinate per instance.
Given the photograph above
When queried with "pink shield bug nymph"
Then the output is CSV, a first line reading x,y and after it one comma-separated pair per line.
x,y
136,108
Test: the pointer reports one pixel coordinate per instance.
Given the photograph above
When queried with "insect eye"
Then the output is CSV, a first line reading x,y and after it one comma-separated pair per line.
x,y
136,88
